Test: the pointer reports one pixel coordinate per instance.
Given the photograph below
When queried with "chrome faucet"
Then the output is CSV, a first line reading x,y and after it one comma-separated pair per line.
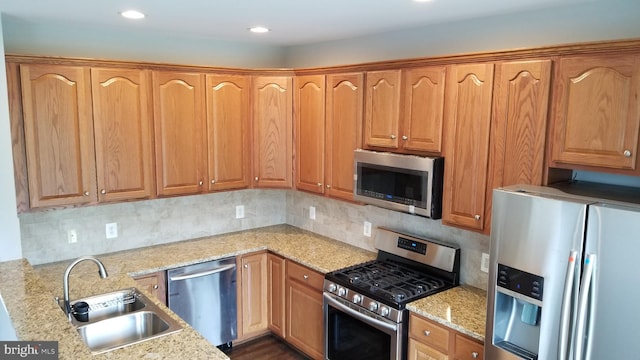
x,y
65,280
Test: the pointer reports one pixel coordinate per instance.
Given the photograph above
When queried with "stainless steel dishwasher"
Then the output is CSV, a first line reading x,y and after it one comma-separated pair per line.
x,y
204,295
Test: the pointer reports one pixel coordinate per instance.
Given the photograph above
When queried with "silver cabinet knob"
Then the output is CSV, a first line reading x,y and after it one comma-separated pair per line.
x,y
103,191
155,287
474,355
200,183
86,193
328,186
477,217
392,137
213,181
405,137
319,184
256,178
627,153
305,276
427,332
246,266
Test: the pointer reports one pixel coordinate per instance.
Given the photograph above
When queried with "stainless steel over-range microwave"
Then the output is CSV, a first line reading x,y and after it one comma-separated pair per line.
x,y
407,183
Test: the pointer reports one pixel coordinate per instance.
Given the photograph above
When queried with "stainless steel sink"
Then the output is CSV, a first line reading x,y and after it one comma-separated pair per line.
x,y
121,318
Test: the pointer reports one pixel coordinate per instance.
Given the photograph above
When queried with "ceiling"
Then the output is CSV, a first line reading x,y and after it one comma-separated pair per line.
x,y
292,22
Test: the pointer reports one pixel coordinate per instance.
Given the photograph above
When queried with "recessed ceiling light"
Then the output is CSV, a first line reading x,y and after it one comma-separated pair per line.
x,y
132,14
259,29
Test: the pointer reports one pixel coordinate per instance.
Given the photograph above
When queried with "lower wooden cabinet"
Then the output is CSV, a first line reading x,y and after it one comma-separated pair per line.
x,y
252,304
431,341
305,322
155,284
276,294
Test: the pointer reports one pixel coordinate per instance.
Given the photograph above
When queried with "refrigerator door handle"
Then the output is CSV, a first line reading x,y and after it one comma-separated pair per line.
x,y
567,304
583,305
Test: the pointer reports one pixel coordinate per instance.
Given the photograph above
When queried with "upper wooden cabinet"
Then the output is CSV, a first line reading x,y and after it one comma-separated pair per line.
x,y
309,116
272,131
180,137
382,109
422,118
344,107
518,126
228,129
122,118
468,120
404,109
596,118
58,127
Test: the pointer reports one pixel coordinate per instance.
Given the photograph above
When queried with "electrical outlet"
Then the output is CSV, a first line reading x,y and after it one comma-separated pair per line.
x,y
239,211
367,229
484,264
72,236
111,230
312,212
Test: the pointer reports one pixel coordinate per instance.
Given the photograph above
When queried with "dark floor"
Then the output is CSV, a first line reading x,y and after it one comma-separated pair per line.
x,y
266,347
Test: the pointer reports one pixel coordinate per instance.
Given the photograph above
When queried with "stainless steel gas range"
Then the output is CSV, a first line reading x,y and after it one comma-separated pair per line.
x,y
364,304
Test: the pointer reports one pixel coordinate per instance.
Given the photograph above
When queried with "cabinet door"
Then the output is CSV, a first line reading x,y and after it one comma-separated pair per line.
x,y
122,108
58,129
228,131
596,119
423,109
276,294
343,132
518,126
154,284
305,320
467,349
179,112
253,269
309,117
382,109
420,351
467,118
273,136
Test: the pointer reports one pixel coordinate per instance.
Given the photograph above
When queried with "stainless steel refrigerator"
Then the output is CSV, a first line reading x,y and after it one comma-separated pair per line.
x,y
564,280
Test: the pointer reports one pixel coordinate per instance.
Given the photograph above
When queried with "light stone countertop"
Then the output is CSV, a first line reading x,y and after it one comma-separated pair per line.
x,y
25,287
462,308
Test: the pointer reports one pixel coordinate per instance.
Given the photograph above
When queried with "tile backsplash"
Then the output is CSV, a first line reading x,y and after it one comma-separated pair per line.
x,y
159,221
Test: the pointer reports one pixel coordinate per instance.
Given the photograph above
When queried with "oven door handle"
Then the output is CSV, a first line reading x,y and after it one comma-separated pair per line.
x,y
360,316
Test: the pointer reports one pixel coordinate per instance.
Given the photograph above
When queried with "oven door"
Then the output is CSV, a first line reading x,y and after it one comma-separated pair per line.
x,y
353,333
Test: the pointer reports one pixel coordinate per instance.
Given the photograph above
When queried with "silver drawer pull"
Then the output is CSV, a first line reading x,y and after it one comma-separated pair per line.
x,y
427,332
305,276
474,355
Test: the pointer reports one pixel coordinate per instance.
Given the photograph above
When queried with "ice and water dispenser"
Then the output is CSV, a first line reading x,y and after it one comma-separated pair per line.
x,y
517,313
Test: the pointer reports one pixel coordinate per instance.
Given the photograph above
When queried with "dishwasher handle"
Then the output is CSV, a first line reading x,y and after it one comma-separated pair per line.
x,y
203,273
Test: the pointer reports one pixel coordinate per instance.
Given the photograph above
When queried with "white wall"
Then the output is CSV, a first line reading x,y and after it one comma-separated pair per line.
x,y
9,226
601,20
61,39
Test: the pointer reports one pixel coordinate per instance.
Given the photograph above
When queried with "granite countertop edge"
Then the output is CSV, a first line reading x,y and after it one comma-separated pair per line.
x,y
24,286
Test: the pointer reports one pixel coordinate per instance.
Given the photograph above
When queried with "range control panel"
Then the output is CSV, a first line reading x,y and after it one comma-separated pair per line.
x,y
412,245
520,281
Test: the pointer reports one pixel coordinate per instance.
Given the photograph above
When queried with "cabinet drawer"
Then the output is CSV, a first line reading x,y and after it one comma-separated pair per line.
x,y
305,275
467,349
429,332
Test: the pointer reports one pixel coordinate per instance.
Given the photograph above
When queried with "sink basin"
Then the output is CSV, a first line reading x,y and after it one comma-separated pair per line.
x,y
121,318
123,330
105,306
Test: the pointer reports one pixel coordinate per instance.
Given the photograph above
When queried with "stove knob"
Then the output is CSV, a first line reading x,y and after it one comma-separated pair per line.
x,y
357,298
373,306
384,311
341,291
332,287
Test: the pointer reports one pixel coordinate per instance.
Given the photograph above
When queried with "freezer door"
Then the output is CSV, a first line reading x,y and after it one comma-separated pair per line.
x,y
533,233
612,329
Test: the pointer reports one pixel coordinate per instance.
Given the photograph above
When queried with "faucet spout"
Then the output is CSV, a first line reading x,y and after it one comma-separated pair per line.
x,y
65,280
